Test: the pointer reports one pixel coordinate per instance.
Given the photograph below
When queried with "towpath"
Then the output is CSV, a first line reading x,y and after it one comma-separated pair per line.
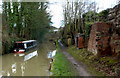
x,y
78,65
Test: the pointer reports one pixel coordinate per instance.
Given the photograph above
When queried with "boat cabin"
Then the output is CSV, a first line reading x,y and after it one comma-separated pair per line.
x,y
22,46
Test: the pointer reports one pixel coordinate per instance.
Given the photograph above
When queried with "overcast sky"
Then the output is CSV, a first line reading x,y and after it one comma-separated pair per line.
x,y
0,5
56,9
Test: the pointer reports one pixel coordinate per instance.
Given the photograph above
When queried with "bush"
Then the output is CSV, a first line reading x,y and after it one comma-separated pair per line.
x,y
8,44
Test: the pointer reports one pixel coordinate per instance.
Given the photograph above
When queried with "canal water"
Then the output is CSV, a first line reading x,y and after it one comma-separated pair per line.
x,y
32,63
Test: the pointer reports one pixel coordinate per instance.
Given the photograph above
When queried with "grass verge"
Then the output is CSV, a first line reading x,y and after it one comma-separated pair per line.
x,y
99,66
61,66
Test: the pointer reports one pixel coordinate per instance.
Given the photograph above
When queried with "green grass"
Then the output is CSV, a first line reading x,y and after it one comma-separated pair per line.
x,y
99,66
61,66
108,60
86,57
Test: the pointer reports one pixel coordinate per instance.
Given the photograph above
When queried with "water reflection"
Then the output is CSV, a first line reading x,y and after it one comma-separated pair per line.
x,y
51,54
21,54
22,69
8,74
32,63
30,55
14,68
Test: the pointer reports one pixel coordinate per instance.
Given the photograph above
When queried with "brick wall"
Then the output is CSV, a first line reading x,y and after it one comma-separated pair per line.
x,y
79,41
105,37
114,17
99,39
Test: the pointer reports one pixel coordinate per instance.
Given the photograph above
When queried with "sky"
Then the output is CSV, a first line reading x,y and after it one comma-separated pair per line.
x,y
0,5
56,9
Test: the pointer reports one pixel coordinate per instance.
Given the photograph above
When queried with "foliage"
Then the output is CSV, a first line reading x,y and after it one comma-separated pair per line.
x,y
108,60
103,15
90,16
24,20
27,19
74,18
98,66
78,18
84,56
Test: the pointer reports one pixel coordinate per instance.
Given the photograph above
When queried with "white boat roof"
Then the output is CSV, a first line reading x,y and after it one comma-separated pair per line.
x,y
25,41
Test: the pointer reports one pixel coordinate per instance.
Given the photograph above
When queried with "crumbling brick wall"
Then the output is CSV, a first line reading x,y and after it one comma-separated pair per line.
x,y
100,38
79,41
114,17
105,37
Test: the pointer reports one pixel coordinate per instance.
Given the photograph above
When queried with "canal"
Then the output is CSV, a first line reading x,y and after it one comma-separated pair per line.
x,y
32,63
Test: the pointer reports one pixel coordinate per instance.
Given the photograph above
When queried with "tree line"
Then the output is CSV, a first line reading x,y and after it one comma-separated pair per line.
x,y
79,15
24,21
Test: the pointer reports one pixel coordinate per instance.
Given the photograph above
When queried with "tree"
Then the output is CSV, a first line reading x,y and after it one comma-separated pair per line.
x,y
73,17
103,15
24,21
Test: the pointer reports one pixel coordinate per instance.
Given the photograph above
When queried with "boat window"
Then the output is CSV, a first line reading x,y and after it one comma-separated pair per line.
x,y
19,45
29,44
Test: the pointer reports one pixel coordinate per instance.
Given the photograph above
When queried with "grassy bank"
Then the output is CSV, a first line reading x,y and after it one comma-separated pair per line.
x,y
99,66
61,66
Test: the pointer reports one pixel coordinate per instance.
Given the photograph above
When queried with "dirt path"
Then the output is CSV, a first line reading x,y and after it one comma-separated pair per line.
x,y
78,65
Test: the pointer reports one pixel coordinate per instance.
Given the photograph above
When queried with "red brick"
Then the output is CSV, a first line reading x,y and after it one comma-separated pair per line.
x,y
79,41
99,40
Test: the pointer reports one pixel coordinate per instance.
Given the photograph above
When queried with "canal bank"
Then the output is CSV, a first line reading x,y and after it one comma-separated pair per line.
x,y
78,65
97,66
61,66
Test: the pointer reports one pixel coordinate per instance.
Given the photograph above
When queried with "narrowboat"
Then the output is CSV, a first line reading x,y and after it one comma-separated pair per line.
x,y
23,46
